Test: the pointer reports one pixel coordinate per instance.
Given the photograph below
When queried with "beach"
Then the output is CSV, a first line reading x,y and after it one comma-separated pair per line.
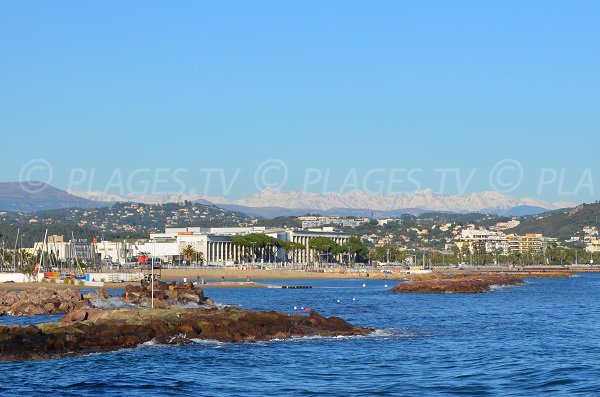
x,y
261,274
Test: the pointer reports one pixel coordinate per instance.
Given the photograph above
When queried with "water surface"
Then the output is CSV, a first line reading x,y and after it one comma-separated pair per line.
x,y
539,339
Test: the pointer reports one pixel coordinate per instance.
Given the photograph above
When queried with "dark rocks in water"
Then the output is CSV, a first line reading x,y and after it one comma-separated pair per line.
x,y
165,295
40,300
94,330
460,284
43,300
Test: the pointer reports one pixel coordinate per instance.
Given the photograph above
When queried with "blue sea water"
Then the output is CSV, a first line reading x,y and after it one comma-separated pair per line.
x,y
539,339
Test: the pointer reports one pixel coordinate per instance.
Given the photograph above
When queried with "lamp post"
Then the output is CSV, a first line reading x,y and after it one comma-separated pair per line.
x,y
152,272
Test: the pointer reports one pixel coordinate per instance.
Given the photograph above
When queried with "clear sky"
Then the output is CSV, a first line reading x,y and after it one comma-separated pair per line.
x,y
334,93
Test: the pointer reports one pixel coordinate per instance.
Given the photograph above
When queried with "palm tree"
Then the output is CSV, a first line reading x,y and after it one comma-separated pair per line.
x,y
7,257
27,263
188,252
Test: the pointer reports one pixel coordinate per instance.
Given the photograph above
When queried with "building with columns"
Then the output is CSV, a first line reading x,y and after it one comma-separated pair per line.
x,y
303,237
217,247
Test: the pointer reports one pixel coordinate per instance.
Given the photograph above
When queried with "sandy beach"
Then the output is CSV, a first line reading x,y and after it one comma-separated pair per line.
x,y
259,274
250,278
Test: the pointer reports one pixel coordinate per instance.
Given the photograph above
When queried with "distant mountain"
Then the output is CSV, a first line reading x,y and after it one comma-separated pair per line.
x,y
142,198
426,200
561,224
271,203
36,196
521,210
274,212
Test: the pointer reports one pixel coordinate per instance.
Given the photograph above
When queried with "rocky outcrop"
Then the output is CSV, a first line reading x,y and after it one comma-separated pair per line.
x,y
464,284
39,301
165,295
93,330
44,300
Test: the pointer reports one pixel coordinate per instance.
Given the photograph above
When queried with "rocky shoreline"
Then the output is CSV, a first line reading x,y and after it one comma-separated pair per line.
x,y
92,324
94,330
35,301
42,300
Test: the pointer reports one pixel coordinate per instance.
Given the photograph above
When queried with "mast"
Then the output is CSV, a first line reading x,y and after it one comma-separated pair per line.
x,y
15,253
42,254
152,263
76,265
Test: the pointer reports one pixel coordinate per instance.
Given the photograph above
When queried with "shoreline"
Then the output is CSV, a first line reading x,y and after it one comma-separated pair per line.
x,y
250,278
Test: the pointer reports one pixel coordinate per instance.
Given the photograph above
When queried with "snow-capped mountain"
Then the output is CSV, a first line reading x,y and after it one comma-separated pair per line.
x,y
426,200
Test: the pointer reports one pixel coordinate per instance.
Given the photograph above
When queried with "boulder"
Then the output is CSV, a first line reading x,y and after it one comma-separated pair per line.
x,y
103,293
39,300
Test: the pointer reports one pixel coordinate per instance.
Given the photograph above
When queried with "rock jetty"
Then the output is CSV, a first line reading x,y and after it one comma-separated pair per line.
x,y
43,300
93,330
165,294
40,300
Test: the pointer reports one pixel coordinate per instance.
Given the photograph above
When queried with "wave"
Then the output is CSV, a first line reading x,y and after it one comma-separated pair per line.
x,y
113,302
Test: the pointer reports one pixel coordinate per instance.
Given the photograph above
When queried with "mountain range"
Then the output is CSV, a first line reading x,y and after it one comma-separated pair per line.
x,y
270,203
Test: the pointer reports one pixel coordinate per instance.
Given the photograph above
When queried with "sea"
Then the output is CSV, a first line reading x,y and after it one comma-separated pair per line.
x,y
539,339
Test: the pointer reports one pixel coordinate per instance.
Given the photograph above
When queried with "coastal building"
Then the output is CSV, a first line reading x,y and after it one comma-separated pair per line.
x,y
529,243
216,244
498,242
303,237
488,240
501,226
593,246
311,221
75,249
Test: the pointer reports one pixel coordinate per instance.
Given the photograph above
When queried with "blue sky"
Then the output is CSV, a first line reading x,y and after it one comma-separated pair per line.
x,y
356,90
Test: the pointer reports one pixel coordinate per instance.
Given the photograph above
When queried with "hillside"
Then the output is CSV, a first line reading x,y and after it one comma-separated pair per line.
x,y
37,196
561,224
121,220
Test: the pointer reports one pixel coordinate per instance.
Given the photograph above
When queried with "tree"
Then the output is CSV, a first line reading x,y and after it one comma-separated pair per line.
x,y
356,250
260,245
324,246
191,254
7,257
27,263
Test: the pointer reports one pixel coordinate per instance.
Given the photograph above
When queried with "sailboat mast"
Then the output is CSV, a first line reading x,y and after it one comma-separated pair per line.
x,y
15,252
43,253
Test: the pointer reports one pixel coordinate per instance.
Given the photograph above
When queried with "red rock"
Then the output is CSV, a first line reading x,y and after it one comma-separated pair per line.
x,y
465,284
105,330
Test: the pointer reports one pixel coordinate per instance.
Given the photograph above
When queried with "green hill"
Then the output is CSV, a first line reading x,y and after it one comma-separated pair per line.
x,y
122,220
562,224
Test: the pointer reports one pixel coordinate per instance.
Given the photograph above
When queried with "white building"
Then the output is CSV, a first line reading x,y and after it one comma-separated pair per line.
x,y
217,247
491,241
593,246
499,242
77,249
